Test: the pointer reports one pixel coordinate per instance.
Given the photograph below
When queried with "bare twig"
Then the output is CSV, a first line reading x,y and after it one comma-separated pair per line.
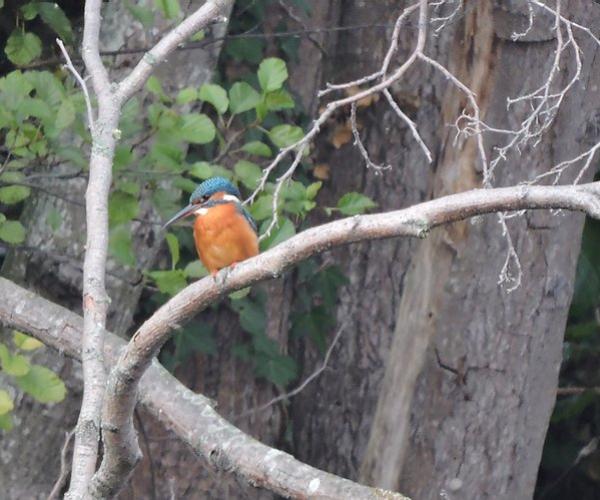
x,y
207,13
358,142
82,84
297,149
304,384
61,481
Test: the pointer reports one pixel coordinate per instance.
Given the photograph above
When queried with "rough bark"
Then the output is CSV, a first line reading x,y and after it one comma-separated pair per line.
x,y
473,415
430,290
332,416
50,263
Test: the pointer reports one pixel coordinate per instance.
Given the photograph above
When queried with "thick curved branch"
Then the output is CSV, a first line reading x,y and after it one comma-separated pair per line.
x,y
415,221
190,416
208,13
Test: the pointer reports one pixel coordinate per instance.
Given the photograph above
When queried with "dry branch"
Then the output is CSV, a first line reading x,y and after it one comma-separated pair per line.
x,y
415,221
190,416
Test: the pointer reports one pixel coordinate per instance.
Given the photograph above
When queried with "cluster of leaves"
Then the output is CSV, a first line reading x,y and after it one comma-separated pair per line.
x,y
37,381
23,46
36,110
240,125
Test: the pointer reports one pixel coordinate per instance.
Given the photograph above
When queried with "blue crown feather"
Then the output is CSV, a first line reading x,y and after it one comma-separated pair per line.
x,y
221,185
212,186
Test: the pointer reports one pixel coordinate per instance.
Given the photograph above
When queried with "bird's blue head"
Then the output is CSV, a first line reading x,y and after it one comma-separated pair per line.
x,y
212,186
203,193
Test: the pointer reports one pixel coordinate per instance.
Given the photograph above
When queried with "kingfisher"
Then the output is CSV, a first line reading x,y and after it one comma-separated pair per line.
x,y
224,232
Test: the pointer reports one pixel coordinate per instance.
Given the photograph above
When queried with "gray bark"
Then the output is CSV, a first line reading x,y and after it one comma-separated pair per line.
x,y
478,413
477,431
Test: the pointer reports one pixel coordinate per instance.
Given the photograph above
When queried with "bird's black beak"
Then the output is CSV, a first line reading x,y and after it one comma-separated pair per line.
x,y
184,212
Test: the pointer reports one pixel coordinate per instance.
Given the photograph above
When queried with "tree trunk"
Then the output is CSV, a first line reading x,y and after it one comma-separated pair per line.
x,y
472,372
472,422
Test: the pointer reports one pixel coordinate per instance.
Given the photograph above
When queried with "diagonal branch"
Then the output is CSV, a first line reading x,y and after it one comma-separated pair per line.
x,y
208,13
190,416
123,450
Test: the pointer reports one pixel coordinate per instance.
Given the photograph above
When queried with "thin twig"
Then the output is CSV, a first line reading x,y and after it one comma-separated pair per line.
x,y
303,385
82,84
65,468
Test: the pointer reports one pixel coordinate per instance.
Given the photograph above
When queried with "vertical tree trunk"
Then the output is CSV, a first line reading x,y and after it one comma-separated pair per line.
x,y
472,372
477,428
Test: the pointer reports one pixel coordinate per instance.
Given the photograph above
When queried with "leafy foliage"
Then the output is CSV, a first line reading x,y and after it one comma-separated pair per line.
x,y
35,380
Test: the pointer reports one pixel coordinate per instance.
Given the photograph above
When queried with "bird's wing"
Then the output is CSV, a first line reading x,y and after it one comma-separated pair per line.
x,y
247,216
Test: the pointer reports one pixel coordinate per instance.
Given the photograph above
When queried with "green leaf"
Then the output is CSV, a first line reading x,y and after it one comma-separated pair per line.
x,y
6,402
154,86
123,157
272,72
279,369
278,100
15,87
13,194
12,231
249,173
143,14
242,97
6,422
313,189
65,115
122,207
262,208
355,203
120,245
25,342
169,8
257,148
33,107
201,170
195,269
247,49
216,95
240,294
54,219
186,95
55,17
42,384
2,217
13,364
173,244
169,282
285,135
197,128
22,48
279,234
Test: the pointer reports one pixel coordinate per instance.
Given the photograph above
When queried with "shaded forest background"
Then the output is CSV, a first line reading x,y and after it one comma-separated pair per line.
x,y
253,347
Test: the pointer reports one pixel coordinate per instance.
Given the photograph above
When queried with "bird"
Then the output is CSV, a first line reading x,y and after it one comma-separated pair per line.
x,y
224,232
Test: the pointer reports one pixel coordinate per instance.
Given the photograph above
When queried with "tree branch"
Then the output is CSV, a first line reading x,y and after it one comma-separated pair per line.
x,y
190,416
415,221
95,299
206,14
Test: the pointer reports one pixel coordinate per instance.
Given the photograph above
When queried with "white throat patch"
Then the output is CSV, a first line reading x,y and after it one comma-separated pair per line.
x,y
201,211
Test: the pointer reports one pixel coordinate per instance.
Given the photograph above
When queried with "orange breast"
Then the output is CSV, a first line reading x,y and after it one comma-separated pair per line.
x,y
223,237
